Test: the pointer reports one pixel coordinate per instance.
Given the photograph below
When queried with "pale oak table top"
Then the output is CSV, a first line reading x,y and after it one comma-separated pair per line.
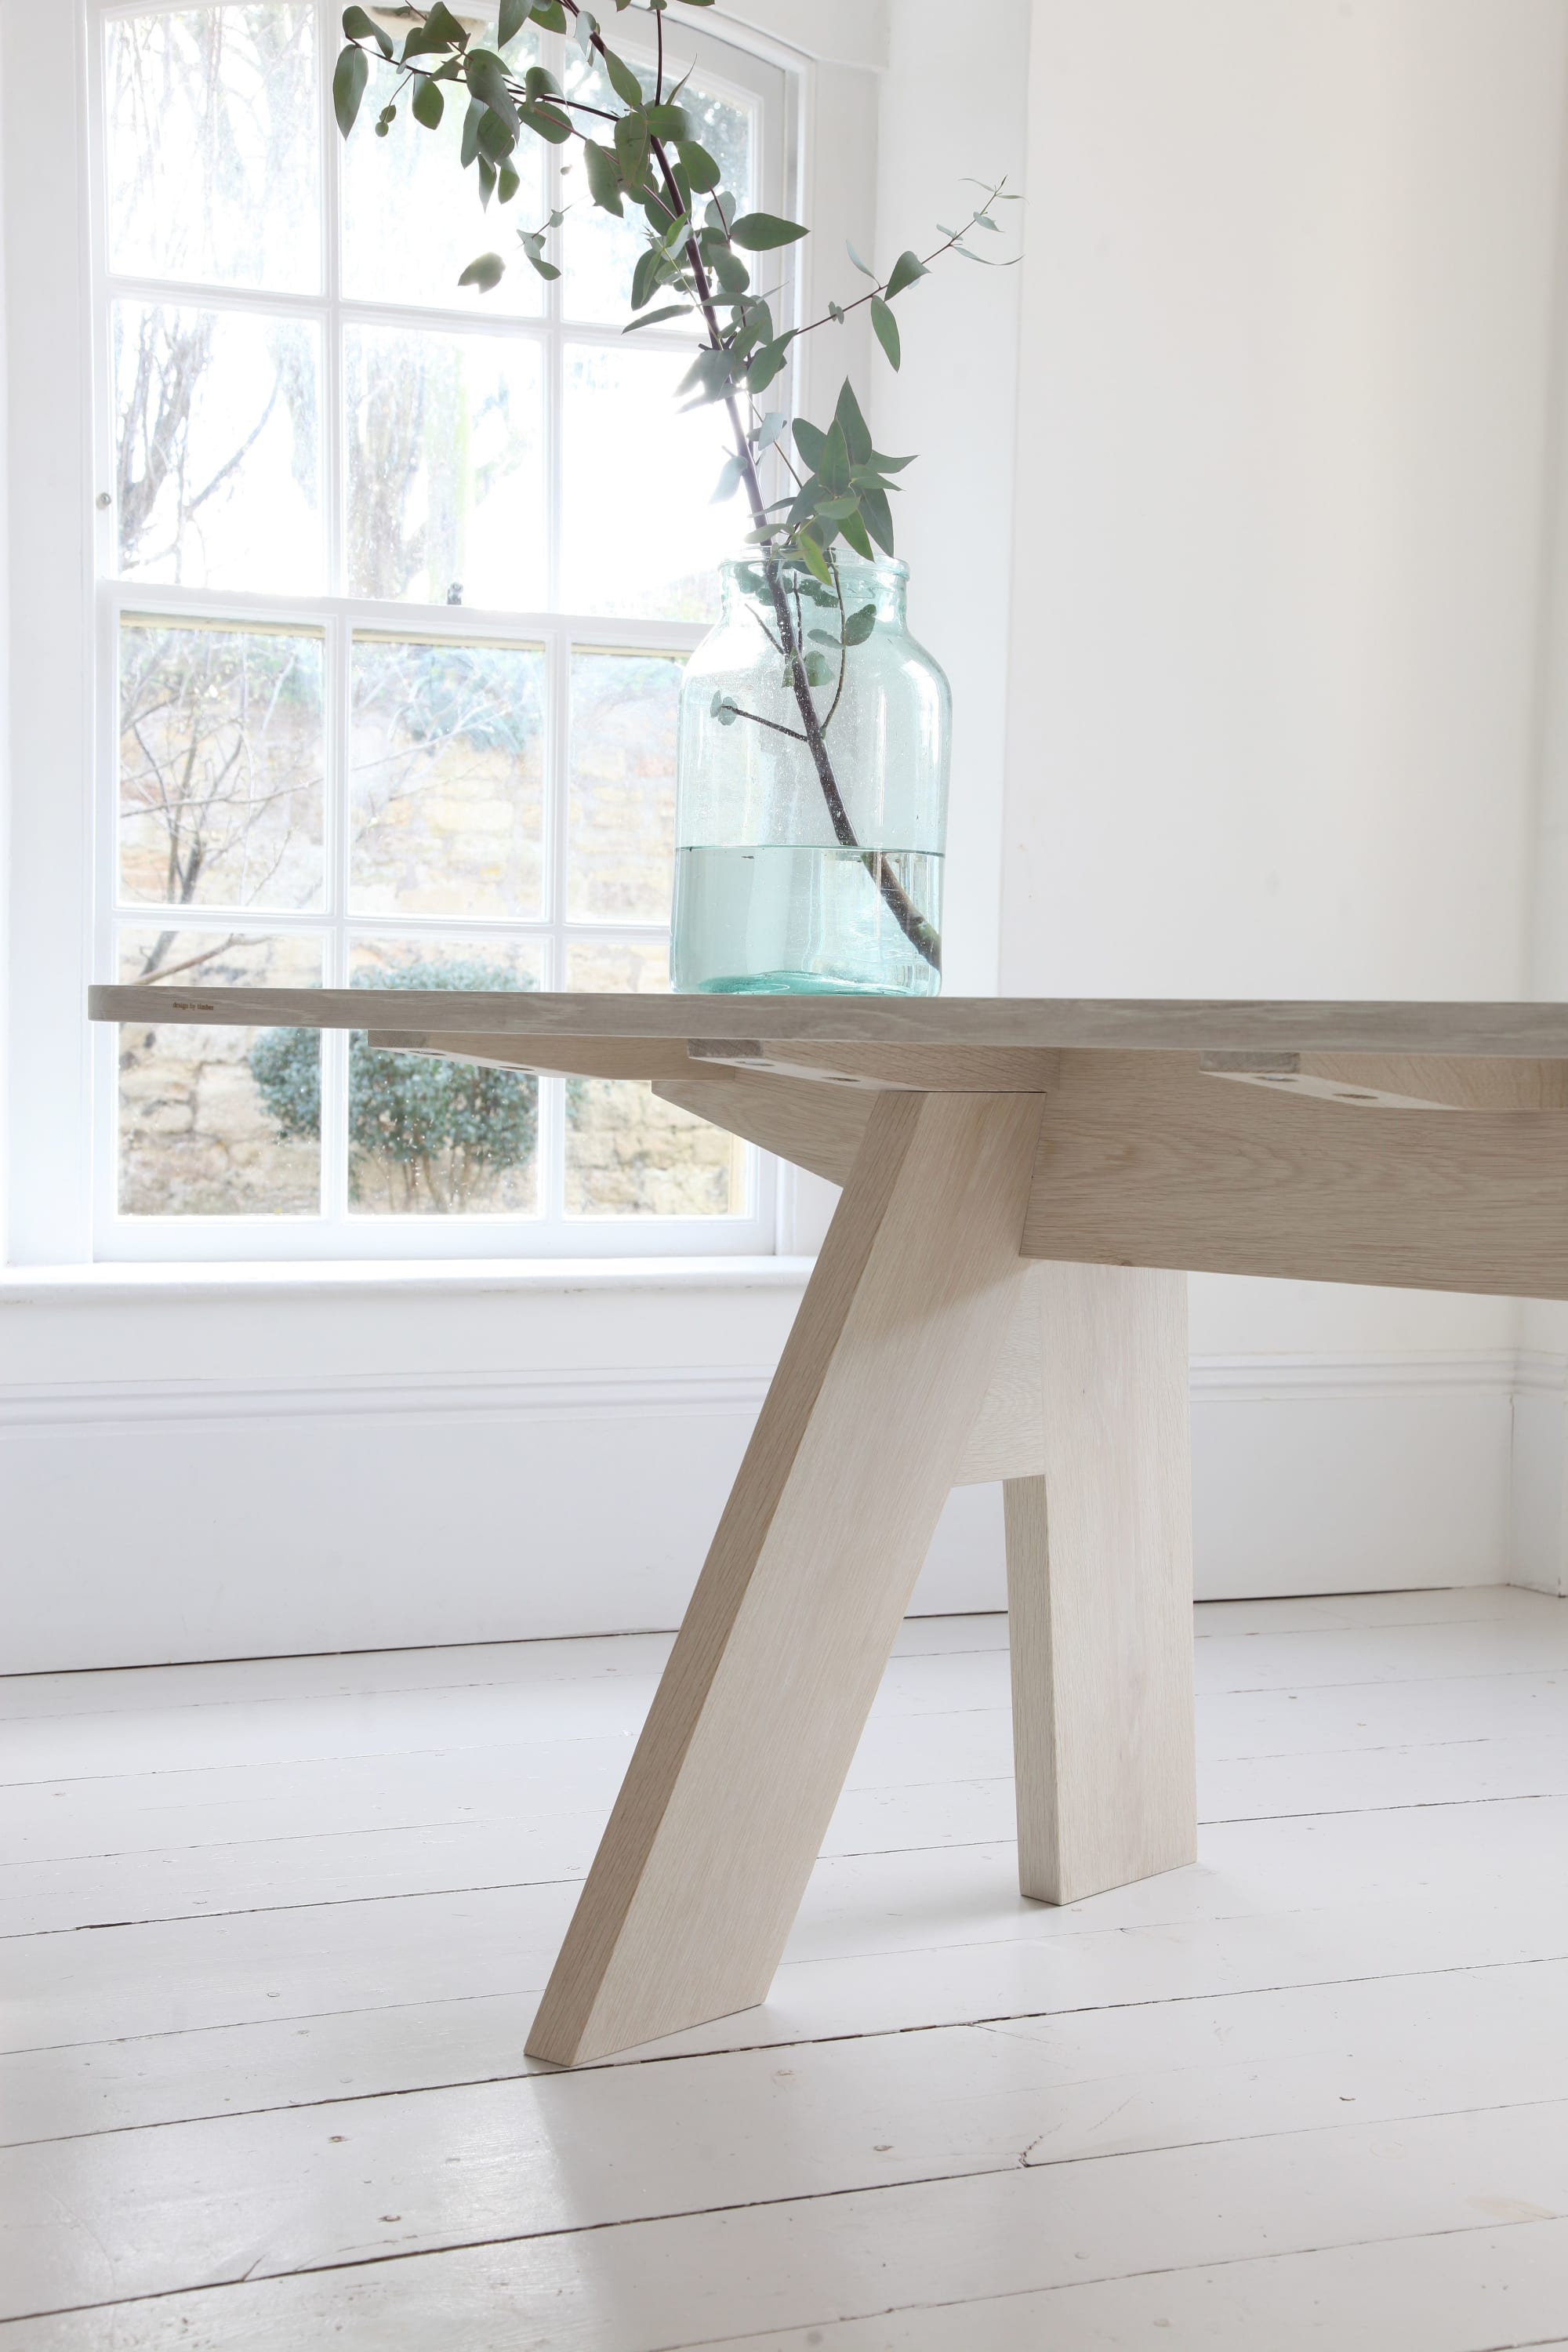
x,y
1415,1144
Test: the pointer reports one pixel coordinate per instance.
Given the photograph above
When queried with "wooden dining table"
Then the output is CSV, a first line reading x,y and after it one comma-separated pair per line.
x,y
1027,1183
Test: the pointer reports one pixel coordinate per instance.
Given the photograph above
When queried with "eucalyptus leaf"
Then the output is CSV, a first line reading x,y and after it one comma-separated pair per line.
x,y
701,172
507,183
729,481
623,81
441,26
550,15
657,318
485,273
645,276
631,147
809,439
471,121
857,432
487,78
532,243
730,270
429,39
427,105
349,77
764,232
512,16
818,669
604,179
860,266
906,269
767,363
549,122
486,172
496,139
885,327
879,518
854,531
540,82
709,374
724,710
358,25
858,625
670,121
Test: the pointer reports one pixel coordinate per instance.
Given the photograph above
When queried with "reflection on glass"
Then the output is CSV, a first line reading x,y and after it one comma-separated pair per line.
x,y
445,779
213,131
220,765
216,435
218,1122
445,468
431,1138
412,216
620,814
639,535
630,1155
624,967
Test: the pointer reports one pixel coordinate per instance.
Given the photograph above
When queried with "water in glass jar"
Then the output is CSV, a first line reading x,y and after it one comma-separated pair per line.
x,y
791,920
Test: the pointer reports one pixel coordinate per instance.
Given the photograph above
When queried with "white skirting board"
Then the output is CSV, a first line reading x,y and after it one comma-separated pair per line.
x,y
1538,1505
163,1521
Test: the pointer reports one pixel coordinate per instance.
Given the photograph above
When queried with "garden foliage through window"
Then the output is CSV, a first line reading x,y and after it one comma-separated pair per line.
x,y
397,582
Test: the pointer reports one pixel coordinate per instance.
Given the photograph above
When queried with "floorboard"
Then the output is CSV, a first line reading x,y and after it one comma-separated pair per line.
x,y
272,1933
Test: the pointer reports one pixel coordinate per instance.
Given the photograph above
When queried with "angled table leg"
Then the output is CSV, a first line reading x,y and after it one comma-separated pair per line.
x,y
1100,1588
735,1779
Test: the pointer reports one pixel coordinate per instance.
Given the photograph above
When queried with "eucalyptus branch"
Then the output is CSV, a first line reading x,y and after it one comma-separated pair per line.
x,y
656,162
773,725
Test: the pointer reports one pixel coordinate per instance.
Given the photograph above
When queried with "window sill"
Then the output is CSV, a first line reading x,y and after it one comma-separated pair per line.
x,y
39,1284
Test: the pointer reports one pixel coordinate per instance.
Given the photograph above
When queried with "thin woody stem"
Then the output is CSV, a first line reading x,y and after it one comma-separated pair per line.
x,y
920,933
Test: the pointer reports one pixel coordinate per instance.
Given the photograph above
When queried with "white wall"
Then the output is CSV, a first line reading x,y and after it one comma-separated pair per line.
x,y
1286,350
1288,343
954,401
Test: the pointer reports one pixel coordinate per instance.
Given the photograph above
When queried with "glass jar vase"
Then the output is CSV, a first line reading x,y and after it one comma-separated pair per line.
x,y
811,793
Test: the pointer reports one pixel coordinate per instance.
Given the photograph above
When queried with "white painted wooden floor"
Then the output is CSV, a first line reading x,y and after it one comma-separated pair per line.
x,y
272,1933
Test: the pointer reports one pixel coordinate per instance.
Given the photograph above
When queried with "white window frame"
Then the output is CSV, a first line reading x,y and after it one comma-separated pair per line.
x,y
42,1211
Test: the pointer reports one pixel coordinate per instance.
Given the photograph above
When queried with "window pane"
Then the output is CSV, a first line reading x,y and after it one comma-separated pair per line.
x,y
214,133
220,765
639,535
216,437
412,216
446,467
629,966
429,1138
447,779
598,253
630,1155
620,818
219,1122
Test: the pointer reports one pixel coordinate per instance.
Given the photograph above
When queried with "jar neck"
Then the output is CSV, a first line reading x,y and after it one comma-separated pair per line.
x,y
744,582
